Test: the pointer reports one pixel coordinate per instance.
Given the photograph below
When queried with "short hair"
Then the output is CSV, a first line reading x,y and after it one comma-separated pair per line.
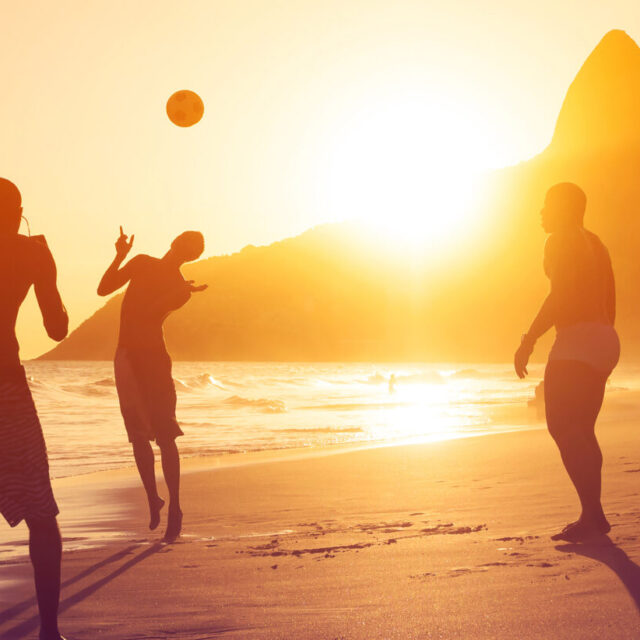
x,y
571,197
10,197
10,205
189,245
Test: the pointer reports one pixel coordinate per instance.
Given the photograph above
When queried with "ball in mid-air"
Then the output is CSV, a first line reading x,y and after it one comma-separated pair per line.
x,y
185,108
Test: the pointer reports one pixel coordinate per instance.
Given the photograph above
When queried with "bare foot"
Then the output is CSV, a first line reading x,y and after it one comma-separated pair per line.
x,y
583,530
154,513
174,525
566,528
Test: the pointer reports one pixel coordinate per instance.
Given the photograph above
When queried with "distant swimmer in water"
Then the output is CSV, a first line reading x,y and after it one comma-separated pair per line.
x,y
582,307
142,364
392,383
25,486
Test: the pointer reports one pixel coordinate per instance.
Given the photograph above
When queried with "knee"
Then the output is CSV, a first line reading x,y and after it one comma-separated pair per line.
x,y
167,445
561,434
141,446
575,443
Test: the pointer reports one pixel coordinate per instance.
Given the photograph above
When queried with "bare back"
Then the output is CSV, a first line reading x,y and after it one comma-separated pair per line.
x,y
582,283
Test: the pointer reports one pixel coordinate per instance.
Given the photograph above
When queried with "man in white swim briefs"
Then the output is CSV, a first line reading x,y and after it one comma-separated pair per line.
x,y
582,307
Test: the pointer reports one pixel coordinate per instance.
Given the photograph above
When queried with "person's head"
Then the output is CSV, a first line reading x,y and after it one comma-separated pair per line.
x,y
10,207
188,246
564,207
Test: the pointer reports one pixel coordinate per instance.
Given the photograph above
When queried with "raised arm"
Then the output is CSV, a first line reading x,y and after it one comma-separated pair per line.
x,y
54,315
115,277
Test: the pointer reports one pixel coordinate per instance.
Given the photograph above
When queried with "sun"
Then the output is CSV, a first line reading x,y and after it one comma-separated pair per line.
x,y
411,167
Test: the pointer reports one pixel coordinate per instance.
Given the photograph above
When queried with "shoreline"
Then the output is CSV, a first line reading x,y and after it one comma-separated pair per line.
x,y
228,410
93,510
327,536
242,458
92,499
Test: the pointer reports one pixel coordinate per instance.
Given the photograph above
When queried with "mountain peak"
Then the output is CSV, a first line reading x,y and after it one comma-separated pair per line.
x,y
601,107
616,39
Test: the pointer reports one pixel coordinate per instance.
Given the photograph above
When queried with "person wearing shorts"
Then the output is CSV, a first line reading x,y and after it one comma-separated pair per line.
x,y
25,485
582,307
142,365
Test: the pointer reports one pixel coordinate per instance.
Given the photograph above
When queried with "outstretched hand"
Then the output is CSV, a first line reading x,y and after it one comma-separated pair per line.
x,y
122,246
194,288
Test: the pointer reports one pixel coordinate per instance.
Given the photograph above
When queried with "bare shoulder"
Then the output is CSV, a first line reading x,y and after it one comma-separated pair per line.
x,y
141,258
595,239
39,253
140,261
28,246
556,251
599,247
554,244
22,253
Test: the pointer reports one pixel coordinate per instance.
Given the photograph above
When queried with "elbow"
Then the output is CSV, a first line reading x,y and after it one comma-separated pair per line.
x,y
105,286
58,331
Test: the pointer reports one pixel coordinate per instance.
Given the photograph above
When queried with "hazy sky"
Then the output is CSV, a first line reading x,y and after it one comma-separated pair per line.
x,y
307,105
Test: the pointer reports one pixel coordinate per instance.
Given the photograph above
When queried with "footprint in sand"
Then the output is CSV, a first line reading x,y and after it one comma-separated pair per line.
x,y
520,539
449,529
386,527
461,571
422,576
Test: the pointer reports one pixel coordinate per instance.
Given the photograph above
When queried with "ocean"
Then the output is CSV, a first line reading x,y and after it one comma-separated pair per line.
x,y
227,408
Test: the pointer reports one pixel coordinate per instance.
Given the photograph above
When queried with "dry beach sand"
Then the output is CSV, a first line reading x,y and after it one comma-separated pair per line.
x,y
443,540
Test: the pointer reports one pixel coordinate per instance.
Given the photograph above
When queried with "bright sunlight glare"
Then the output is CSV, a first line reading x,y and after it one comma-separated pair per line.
x,y
411,167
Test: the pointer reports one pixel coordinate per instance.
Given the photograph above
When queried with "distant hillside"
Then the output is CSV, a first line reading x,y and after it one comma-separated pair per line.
x,y
334,293
603,102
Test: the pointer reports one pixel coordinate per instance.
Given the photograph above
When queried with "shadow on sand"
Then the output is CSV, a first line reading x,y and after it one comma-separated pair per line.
x,y
27,627
607,552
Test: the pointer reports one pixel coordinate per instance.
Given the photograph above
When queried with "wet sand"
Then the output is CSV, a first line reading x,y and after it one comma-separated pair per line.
x,y
442,540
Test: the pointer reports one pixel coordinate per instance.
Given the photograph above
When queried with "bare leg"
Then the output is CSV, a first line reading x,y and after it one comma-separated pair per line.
x,y
574,394
171,470
145,462
45,549
582,459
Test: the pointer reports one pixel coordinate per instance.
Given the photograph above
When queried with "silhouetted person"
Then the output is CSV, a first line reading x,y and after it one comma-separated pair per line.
x,y
582,307
25,486
142,364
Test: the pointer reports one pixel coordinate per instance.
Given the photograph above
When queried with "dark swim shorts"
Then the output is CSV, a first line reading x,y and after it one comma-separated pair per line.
x,y
147,394
25,486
